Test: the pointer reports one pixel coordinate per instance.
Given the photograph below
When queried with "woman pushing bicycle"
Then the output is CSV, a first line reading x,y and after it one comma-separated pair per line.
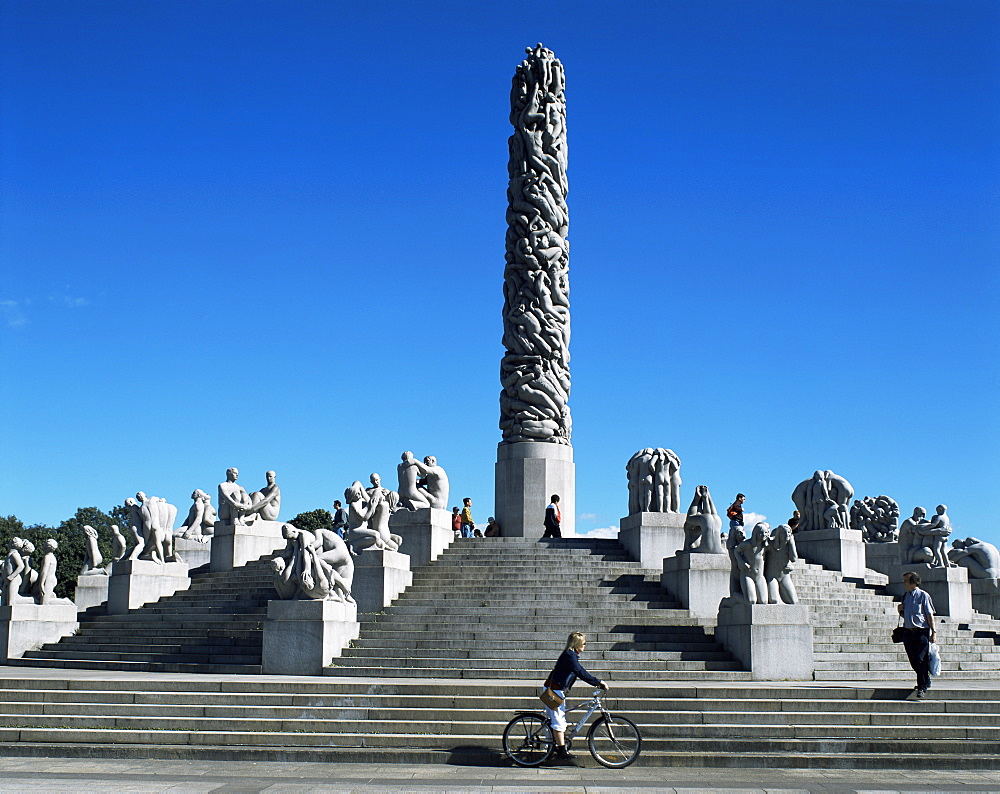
x,y
562,677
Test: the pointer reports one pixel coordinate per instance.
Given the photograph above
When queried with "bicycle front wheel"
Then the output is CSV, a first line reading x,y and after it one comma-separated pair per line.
x,y
527,741
614,741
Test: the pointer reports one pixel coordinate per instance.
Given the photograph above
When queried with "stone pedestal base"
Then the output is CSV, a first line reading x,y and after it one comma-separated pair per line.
x,y
773,641
91,591
27,627
426,533
303,637
881,557
195,553
949,588
137,582
698,581
527,474
986,596
651,537
836,549
379,576
234,546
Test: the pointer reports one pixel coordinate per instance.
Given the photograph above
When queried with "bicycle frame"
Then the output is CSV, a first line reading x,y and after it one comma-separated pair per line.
x,y
592,705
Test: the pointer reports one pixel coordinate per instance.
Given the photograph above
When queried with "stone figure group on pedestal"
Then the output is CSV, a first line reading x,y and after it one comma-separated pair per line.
x,y
368,514
22,584
422,484
703,525
762,564
654,481
200,522
877,517
151,520
925,541
314,565
238,508
981,559
823,502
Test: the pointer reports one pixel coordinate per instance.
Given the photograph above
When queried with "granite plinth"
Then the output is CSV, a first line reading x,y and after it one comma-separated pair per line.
x,y
26,627
195,553
137,582
986,596
881,557
303,637
234,545
698,581
379,576
773,641
652,537
91,591
426,533
527,474
835,549
949,588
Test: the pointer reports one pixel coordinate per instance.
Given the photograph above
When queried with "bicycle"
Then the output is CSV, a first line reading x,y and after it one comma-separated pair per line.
x,y
613,741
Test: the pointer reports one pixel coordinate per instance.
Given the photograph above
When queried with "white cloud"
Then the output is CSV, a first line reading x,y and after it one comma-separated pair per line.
x,y
12,314
587,516
600,532
750,520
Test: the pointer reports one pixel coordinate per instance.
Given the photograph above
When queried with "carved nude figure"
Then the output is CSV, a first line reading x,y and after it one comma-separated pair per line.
x,y
313,566
92,558
118,543
911,543
234,501
45,588
980,558
936,536
267,501
779,559
703,525
13,569
736,536
750,559
411,495
200,518
362,507
436,482
29,576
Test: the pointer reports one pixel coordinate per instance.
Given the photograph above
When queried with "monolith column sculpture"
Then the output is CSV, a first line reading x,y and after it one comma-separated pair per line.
x,y
535,458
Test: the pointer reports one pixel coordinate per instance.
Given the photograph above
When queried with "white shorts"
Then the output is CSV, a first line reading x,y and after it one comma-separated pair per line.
x,y
558,714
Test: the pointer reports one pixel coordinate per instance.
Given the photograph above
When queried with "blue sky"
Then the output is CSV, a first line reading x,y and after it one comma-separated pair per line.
x,y
271,235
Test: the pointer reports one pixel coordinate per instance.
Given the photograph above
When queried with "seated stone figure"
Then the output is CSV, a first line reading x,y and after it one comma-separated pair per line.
x,y
266,502
29,576
980,558
118,543
779,560
92,554
368,517
703,525
200,522
911,542
234,501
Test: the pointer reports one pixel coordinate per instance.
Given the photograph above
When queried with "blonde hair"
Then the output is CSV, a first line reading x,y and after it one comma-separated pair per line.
x,y
576,640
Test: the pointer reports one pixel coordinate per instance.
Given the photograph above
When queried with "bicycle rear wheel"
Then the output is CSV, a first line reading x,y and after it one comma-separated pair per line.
x,y
614,741
527,741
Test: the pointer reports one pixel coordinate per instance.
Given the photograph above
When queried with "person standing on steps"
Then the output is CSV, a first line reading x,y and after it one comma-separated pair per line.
x,y
468,525
917,611
339,519
562,677
553,519
456,522
735,512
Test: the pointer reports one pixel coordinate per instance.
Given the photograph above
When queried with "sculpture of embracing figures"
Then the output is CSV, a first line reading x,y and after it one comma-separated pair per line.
x,y
422,484
763,563
926,541
200,522
654,481
368,515
823,502
314,565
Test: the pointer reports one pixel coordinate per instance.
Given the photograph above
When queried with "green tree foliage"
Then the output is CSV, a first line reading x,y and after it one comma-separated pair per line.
x,y
314,519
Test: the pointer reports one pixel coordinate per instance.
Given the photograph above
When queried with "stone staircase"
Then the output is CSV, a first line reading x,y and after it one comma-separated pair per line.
x,y
498,608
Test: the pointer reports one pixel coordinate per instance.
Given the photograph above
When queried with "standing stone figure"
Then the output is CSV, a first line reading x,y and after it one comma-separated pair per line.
x,y
654,481
779,559
29,576
703,525
534,371
92,556
736,536
44,590
877,517
823,501
13,569
158,518
749,557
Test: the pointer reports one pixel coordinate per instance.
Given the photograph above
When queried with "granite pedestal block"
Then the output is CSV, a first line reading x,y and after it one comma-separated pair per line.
x,y
303,637
835,549
698,581
137,582
233,546
27,627
881,557
195,553
426,533
986,596
949,588
652,537
91,591
527,474
379,576
773,641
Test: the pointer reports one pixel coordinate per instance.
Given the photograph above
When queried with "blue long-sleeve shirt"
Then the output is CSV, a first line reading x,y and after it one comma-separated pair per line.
x,y
567,670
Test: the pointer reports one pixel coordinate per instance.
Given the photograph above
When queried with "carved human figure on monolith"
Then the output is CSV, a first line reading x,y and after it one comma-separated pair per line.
x,y
654,481
980,558
823,501
736,536
779,560
29,576
13,570
44,590
158,518
703,525
911,542
118,543
234,501
534,371
422,484
877,518
366,511
266,502
92,557
639,471
750,561
200,522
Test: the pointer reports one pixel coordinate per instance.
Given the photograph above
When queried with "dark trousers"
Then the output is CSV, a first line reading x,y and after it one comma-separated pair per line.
x,y
551,532
918,649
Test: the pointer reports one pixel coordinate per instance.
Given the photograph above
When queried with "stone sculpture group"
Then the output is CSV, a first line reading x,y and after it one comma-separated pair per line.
x,y
422,484
703,524
238,508
823,502
877,517
762,564
22,583
315,564
654,481
923,541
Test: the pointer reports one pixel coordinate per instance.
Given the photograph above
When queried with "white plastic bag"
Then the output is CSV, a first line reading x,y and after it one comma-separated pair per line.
x,y
935,659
